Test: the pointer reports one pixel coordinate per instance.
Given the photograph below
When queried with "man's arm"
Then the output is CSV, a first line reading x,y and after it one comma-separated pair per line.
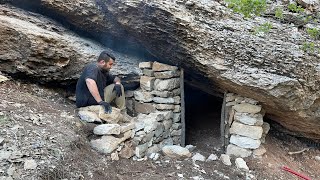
x,y
117,80
93,88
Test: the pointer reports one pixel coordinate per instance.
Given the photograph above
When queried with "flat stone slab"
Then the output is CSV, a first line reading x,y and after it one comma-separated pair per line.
x,y
245,142
175,151
249,119
145,65
254,132
143,96
225,159
241,164
146,82
163,67
247,108
107,129
166,85
238,151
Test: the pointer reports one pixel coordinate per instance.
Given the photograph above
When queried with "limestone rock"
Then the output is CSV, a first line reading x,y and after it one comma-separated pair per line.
x,y
238,151
175,151
190,147
247,108
127,127
176,117
107,144
165,106
249,119
245,142
3,78
145,108
212,157
153,149
167,124
148,72
166,74
317,158
114,117
166,85
163,67
198,157
163,100
4,155
254,132
30,164
143,96
260,151
146,83
127,151
141,149
107,129
114,156
88,116
163,94
265,127
145,65
225,159
241,164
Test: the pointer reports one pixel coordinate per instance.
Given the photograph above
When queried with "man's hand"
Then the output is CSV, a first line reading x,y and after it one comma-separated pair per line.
x,y
106,106
117,88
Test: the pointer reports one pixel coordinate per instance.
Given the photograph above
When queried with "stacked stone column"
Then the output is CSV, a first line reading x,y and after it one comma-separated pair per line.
x,y
244,124
157,103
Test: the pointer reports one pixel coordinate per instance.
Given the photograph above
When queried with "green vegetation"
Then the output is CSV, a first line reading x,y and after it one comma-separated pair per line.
x,y
279,13
314,33
247,7
309,47
264,28
293,7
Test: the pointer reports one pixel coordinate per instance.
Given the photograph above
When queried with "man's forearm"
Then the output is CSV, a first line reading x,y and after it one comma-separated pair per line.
x,y
92,86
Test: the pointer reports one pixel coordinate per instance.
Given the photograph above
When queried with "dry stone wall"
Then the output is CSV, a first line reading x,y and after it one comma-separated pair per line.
x,y
157,106
244,127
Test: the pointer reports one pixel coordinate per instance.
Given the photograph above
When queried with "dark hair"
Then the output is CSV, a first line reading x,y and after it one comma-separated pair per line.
x,y
104,55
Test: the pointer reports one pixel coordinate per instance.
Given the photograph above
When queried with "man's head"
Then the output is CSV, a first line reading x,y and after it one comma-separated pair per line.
x,y
106,60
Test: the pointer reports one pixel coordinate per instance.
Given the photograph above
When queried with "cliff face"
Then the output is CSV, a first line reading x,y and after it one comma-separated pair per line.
x,y
210,41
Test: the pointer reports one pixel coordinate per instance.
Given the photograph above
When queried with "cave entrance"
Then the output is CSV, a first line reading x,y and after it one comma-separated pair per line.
x,y
202,119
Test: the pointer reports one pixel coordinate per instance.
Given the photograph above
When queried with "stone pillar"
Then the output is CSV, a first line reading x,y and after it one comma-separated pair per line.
x,y
157,103
243,125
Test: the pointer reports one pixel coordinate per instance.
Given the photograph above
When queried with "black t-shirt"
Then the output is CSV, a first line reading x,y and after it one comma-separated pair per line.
x,y
100,76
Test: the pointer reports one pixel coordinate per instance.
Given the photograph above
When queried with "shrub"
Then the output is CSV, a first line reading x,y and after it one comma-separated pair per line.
x,y
247,7
293,7
314,33
279,13
265,28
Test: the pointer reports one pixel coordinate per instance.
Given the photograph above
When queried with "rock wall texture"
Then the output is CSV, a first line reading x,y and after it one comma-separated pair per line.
x,y
39,48
207,39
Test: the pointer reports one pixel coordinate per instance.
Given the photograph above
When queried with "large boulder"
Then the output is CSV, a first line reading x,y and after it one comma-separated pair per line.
x,y
218,48
39,48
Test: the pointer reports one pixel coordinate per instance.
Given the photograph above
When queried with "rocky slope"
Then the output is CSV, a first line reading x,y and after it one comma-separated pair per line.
x,y
207,39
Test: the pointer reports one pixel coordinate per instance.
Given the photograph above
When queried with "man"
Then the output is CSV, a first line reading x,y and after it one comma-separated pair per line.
x,y
97,86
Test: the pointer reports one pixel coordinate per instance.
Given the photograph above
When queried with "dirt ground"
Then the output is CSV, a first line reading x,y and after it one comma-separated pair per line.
x,y
40,124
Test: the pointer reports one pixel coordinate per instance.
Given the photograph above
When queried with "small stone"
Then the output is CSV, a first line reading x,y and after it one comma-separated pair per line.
x,y
317,158
225,159
165,106
4,155
107,129
145,108
247,108
141,149
249,119
260,151
163,94
3,78
114,156
163,100
177,108
190,147
127,152
127,127
175,151
212,157
198,157
241,164
176,117
30,164
1,141
145,65
167,124
265,127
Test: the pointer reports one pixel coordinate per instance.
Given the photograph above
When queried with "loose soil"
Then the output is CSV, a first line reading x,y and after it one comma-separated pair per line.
x,y
40,123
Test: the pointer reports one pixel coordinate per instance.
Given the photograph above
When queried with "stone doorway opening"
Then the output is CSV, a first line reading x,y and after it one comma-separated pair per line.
x,y
202,119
